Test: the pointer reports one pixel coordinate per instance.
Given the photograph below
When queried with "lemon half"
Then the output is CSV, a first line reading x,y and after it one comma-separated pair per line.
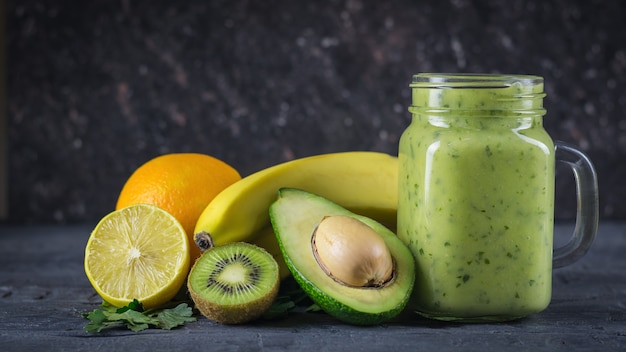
x,y
139,251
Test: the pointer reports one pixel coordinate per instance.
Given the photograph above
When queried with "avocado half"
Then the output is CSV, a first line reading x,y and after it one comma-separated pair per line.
x,y
294,216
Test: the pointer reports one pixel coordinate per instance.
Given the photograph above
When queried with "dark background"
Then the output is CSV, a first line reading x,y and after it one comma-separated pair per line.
x,y
95,88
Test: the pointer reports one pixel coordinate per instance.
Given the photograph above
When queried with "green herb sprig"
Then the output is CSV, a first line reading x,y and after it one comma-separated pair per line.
x,y
135,318
290,296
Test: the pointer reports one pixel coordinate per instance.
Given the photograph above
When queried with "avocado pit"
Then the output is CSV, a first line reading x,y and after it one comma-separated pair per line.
x,y
352,253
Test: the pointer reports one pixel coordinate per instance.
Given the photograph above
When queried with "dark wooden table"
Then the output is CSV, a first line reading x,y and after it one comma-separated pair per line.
x,y
44,291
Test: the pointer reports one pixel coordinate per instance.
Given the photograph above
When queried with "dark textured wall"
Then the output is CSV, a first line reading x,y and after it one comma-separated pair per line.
x,y
95,88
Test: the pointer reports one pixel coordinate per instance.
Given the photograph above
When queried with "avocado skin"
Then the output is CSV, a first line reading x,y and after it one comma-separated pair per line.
x,y
332,306
337,309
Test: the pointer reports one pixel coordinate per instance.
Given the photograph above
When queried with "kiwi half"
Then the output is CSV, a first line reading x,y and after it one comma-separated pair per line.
x,y
234,283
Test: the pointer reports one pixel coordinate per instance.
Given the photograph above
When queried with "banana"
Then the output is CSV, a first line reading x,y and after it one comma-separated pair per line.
x,y
266,239
361,181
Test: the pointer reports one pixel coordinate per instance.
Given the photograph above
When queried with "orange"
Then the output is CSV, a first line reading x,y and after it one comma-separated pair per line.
x,y
182,184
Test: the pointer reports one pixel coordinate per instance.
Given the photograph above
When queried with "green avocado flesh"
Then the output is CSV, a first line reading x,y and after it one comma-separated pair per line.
x,y
294,216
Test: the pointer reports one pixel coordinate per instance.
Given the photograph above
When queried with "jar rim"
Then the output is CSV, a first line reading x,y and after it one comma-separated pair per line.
x,y
473,80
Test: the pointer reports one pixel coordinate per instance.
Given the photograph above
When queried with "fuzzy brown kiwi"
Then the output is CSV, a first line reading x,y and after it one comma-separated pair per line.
x,y
234,283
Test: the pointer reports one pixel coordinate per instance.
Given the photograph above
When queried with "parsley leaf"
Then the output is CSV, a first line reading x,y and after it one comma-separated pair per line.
x,y
171,318
280,308
98,321
289,298
134,318
134,305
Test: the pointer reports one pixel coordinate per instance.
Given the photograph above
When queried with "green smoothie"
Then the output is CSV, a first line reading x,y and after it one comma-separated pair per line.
x,y
476,199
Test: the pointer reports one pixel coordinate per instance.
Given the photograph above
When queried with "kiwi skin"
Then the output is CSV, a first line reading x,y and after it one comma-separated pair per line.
x,y
235,313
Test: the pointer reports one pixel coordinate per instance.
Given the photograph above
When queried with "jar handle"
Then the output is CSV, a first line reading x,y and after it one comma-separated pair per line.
x,y
587,212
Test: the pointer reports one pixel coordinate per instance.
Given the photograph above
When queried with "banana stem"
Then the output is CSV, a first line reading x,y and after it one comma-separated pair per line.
x,y
204,241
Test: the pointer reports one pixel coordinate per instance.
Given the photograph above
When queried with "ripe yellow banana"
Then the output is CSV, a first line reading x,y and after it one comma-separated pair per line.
x,y
267,240
363,182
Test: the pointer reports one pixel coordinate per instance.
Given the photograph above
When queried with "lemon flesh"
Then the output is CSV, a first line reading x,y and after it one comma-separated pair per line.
x,y
138,252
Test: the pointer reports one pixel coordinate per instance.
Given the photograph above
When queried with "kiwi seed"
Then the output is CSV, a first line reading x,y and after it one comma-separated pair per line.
x,y
234,283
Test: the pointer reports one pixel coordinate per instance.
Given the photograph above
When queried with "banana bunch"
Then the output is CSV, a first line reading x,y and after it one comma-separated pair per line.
x,y
363,182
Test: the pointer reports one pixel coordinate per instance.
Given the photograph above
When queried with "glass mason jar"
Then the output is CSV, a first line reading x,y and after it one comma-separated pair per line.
x,y
476,197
